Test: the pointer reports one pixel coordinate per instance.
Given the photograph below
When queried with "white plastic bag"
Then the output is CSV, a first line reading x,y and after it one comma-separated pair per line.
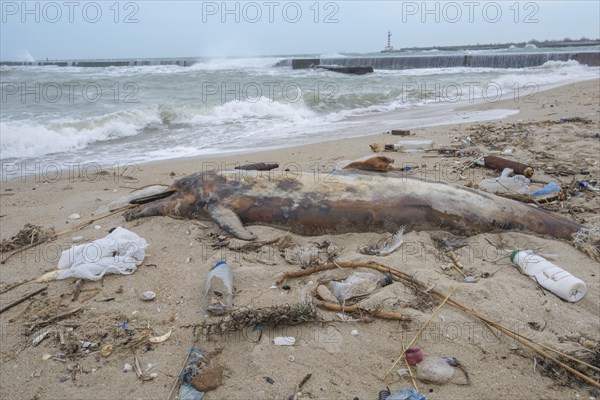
x,y
118,253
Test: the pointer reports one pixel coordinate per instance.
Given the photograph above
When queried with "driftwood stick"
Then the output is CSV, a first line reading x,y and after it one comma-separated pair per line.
x,y
356,309
55,318
22,299
410,373
298,387
10,287
77,289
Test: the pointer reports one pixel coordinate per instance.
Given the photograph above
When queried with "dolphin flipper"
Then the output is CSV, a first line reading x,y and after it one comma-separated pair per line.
x,y
229,221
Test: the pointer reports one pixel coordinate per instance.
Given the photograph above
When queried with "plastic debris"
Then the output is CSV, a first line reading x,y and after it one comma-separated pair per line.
x,y
74,216
402,394
546,190
192,369
550,276
127,367
38,339
118,253
506,183
386,246
284,341
414,356
106,350
218,290
434,370
357,284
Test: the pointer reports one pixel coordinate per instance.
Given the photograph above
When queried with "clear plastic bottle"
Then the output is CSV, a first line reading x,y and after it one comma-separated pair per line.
x,y
505,183
414,146
218,291
552,277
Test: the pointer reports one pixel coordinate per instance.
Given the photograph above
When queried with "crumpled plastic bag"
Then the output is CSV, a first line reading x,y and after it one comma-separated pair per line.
x,y
118,253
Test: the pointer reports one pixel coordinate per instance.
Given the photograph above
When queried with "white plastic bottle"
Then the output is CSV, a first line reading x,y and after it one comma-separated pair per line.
x,y
549,276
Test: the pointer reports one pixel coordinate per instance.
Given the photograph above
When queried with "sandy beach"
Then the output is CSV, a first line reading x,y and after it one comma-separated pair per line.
x,y
343,365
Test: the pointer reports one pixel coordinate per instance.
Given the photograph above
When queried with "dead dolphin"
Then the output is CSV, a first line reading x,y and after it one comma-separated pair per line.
x,y
314,205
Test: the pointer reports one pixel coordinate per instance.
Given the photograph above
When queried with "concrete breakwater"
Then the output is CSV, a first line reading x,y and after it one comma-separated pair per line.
x,y
182,62
446,61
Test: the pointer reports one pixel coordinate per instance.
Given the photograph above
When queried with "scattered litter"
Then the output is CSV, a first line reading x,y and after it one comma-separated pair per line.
x,y
434,370
354,332
505,183
194,367
591,186
291,358
38,339
550,188
402,394
88,345
77,239
356,285
471,279
106,350
127,367
148,295
500,164
74,216
160,339
218,291
64,378
414,146
97,227
284,341
414,356
118,253
385,246
549,276
269,380
46,357
210,378
402,372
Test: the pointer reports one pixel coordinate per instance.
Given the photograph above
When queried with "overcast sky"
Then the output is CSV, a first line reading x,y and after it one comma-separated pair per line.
x,y
68,29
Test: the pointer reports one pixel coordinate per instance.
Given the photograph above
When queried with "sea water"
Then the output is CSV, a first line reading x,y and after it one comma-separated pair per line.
x,y
124,115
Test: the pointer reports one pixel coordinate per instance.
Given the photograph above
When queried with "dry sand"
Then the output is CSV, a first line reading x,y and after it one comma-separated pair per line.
x,y
343,366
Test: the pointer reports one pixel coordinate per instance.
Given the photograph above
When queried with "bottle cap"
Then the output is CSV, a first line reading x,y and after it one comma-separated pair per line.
x,y
513,254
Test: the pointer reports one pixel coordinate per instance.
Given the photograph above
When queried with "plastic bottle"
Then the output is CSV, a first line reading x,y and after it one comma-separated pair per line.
x,y
218,291
549,276
414,146
506,183
434,370
550,188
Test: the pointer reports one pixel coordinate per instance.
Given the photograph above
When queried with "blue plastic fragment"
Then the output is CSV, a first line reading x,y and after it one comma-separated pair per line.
x,y
186,390
406,394
548,189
